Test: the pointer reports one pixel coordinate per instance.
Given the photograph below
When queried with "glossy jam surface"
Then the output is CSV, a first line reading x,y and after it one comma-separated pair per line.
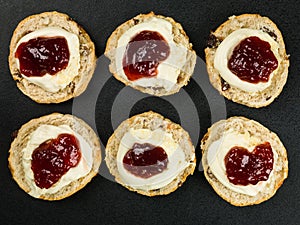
x,y
252,60
244,167
53,158
43,55
145,160
143,54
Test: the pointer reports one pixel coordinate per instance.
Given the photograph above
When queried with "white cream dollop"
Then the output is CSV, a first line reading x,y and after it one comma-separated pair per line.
x,y
54,83
169,69
224,52
42,134
177,162
219,149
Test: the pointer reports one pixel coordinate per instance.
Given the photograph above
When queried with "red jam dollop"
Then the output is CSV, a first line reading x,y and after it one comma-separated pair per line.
x,y
43,55
53,158
252,60
143,54
145,160
244,167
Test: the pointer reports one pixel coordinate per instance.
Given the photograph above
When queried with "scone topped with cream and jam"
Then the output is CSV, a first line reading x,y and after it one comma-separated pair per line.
x,y
244,162
52,58
54,156
151,53
150,155
246,60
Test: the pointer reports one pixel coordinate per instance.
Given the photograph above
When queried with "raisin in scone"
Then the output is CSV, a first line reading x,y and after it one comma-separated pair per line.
x,y
244,162
150,155
246,60
52,58
54,156
152,54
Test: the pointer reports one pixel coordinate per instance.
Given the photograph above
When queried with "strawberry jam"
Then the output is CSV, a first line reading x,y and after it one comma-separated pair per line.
x,y
244,167
53,158
143,54
145,160
252,60
43,55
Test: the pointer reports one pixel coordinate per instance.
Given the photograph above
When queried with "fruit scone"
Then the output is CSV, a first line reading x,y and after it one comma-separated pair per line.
x,y
54,156
246,60
152,54
244,162
52,58
150,155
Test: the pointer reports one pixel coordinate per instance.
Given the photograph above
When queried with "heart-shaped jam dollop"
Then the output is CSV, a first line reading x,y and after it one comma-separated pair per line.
x,y
53,158
43,55
252,60
143,54
145,160
244,167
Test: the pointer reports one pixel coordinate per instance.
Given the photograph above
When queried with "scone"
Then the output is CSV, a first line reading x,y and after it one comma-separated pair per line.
x,y
54,156
246,60
244,162
150,155
52,58
152,54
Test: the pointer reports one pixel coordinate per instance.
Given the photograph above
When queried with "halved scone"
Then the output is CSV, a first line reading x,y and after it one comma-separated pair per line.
x,y
150,155
52,58
152,54
54,156
246,60
244,162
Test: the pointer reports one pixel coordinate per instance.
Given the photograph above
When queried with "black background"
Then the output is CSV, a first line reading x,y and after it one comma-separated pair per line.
x,y
106,202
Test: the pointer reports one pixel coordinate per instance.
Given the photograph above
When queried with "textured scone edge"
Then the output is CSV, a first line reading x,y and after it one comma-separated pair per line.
x,y
179,36
86,50
255,99
241,124
152,121
56,119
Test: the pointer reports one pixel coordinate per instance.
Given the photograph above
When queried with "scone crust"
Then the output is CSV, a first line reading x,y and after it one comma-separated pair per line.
x,y
56,119
151,120
242,124
86,50
255,99
179,36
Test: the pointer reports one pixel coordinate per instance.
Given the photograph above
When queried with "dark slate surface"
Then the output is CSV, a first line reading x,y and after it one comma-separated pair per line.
x,y
106,202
